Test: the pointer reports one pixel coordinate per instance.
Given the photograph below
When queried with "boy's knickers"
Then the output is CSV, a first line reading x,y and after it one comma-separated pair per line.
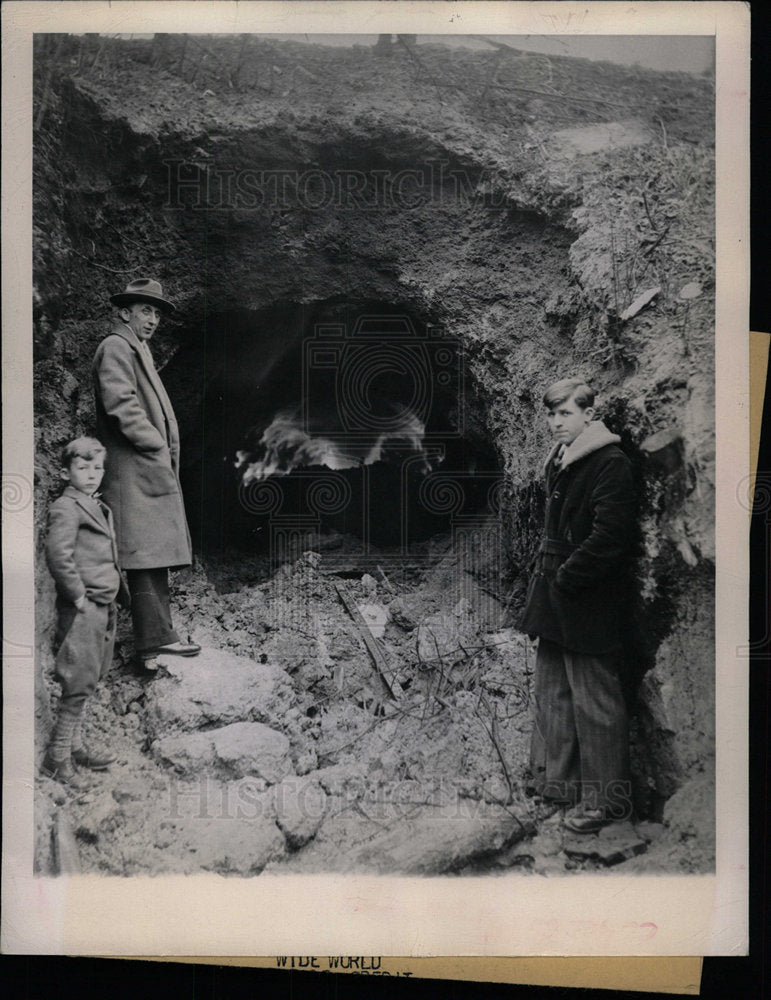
x,y
84,645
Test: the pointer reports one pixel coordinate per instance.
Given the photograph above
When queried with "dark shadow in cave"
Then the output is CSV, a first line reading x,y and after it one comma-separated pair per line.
x,y
351,381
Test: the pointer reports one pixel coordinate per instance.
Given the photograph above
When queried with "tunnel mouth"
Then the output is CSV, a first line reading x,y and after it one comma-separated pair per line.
x,y
354,426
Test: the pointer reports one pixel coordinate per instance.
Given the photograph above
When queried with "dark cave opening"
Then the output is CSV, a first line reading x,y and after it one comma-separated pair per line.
x,y
350,418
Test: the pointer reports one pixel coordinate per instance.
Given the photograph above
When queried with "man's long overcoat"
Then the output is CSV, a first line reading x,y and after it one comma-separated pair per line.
x,y
580,586
136,423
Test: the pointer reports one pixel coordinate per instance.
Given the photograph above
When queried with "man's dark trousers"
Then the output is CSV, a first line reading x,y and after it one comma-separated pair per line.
x,y
150,608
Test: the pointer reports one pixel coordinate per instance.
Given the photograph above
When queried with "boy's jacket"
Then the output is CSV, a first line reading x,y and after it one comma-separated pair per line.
x,y
81,551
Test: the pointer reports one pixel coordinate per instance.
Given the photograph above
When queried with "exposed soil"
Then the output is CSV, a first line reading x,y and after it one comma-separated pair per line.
x,y
568,192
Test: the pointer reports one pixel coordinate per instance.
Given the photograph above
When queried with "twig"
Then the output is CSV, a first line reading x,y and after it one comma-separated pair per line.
x,y
491,732
124,237
421,64
663,130
498,45
492,74
686,342
654,227
103,267
570,98
615,266
652,246
361,735
205,50
386,581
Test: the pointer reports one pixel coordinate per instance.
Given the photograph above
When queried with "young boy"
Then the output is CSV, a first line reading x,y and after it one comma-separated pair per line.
x,y
576,605
83,559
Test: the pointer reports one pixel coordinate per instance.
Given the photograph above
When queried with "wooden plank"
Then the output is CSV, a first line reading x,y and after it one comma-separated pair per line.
x,y
66,854
381,664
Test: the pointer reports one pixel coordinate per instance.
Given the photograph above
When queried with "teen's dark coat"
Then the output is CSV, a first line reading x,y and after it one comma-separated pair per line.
x,y
580,586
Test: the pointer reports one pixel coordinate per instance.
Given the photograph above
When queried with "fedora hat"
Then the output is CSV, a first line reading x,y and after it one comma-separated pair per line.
x,y
143,290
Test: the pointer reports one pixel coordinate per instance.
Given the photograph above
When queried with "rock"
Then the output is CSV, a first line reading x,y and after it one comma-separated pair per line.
x,y
130,790
227,845
369,583
300,804
691,291
639,303
549,866
690,813
613,844
437,637
547,844
666,438
401,613
412,839
235,751
126,695
649,831
604,137
376,618
306,761
95,815
216,687
495,789
336,778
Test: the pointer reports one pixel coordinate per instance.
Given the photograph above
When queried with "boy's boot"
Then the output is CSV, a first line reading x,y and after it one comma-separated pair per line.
x,y
88,758
57,763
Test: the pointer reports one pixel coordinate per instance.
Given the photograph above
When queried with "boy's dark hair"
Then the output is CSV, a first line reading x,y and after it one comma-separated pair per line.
x,y
82,447
567,387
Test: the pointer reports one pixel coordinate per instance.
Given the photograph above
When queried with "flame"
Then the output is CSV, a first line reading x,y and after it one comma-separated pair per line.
x,y
286,445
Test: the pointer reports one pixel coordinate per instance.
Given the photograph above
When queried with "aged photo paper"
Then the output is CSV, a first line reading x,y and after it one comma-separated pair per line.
x,y
476,200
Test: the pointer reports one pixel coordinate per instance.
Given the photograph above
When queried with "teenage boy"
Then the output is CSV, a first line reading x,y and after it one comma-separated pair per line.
x,y
83,559
576,604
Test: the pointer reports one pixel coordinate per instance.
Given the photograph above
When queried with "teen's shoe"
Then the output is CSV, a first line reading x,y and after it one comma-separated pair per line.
x,y
545,808
58,770
91,760
188,648
585,821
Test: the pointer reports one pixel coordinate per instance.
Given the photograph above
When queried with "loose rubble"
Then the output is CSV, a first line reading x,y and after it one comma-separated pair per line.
x,y
234,764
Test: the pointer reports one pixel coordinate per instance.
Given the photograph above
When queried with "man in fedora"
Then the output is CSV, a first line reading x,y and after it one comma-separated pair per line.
x,y
136,423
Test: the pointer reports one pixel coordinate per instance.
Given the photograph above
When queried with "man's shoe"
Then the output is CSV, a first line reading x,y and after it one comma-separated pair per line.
x,y
586,821
58,770
91,760
177,649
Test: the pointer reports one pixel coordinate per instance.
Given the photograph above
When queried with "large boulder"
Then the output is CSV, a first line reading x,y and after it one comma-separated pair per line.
x,y
300,805
236,751
226,845
393,837
216,688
